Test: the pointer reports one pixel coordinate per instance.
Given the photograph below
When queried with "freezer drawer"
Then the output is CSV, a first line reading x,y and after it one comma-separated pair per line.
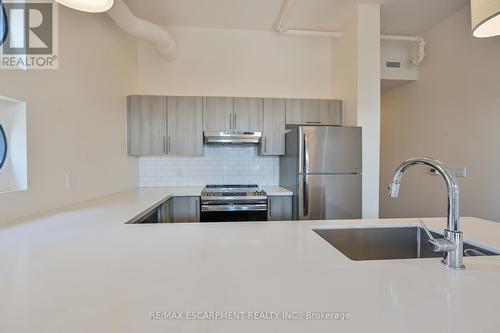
x,y
324,197
329,149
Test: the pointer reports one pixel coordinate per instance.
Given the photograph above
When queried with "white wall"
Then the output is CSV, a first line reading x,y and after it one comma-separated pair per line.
x,y
356,58
369,104
76,117
345,69
221,164
451,113
217,62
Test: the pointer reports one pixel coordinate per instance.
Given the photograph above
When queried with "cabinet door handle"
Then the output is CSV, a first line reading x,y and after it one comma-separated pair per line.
x,y
313,122
164,144
197,210
265,145
168,144
234,120
159,216
270,208
231,121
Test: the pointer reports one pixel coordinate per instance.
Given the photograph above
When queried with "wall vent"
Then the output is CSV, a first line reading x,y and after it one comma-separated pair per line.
x,y
393,64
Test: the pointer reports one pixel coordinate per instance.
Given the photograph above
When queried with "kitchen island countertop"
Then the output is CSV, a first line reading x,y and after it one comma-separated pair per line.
x,y
82,269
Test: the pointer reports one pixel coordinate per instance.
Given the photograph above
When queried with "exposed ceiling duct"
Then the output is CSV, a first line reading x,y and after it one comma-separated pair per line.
x,y
140,28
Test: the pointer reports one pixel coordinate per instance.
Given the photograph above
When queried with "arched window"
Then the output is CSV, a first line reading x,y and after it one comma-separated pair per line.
x,y
4,24
3,147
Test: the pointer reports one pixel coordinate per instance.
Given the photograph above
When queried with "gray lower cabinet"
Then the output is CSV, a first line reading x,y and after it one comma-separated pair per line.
x,y
184,129
313,112
279,208
185,209
165,212
248,114
146,125
273,135
217,114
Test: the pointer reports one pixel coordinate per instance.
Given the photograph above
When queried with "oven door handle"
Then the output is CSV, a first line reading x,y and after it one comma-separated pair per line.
x,y
233,208
253,199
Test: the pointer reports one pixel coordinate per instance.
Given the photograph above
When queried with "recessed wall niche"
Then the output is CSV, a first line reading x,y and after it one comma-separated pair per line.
x,y
14,170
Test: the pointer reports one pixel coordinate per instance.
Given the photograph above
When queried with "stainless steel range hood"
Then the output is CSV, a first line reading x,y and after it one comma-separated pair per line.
x,y
232,137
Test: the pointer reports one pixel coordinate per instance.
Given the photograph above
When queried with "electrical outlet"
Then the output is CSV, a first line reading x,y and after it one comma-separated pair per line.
x,y
457,172
70,182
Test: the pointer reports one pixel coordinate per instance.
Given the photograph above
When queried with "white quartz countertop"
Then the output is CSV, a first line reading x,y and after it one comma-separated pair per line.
x,y
191,191
277,191
82,269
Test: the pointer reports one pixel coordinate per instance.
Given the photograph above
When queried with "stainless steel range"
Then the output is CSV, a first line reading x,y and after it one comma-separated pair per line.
x,y
233,203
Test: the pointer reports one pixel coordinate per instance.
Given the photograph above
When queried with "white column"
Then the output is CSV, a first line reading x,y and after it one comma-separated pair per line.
x,y
368,111
356,80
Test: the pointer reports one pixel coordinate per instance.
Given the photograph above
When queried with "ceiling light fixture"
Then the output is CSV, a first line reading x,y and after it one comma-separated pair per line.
x,y
90,6
485,18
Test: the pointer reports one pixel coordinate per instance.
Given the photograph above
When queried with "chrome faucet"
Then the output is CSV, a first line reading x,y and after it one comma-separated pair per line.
x,y
452,243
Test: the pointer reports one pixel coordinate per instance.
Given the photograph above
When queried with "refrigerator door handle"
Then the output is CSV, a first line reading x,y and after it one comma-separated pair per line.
x,y
303,196
306,197
305,157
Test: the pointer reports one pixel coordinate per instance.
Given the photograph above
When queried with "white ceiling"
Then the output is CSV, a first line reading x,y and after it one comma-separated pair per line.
x,y
398,16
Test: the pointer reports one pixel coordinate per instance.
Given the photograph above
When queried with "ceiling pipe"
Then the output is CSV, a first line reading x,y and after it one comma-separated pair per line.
x,y
140,28
282,24
400,38
282,28
312,33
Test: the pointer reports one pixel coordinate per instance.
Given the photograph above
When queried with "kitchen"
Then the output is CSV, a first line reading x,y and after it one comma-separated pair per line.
x,y
228,162
183,124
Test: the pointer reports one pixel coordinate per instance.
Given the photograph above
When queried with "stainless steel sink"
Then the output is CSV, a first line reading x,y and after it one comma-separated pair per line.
x,y
381,243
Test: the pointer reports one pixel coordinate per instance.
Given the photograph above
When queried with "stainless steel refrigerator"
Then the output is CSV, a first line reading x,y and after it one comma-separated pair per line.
x,y
322,167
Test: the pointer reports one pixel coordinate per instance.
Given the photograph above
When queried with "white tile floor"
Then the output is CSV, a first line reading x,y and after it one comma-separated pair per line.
x,y
219,165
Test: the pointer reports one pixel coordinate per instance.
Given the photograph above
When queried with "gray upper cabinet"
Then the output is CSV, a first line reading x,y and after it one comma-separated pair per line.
x,y
248,114
273,136
313,112
224,114
160,125
185,120
146,122
185,209
217,114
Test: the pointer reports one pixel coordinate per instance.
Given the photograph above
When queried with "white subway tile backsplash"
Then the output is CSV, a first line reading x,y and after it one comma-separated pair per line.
x,y
219,165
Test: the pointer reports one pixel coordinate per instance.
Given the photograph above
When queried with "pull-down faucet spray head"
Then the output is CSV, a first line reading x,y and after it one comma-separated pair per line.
x,y
394,189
